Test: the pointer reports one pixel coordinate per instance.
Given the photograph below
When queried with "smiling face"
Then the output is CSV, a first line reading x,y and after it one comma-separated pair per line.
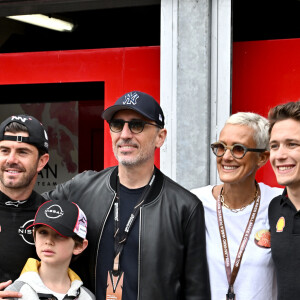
x,y
19,164
285,152
232,170
136,149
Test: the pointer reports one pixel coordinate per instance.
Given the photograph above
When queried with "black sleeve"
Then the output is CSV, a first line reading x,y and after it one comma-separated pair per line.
x,y
196,284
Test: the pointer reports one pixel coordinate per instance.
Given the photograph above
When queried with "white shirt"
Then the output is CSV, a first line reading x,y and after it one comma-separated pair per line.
x,y
256,277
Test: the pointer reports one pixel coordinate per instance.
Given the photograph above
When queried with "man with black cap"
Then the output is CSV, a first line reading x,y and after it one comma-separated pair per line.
x,y
146,233
23,153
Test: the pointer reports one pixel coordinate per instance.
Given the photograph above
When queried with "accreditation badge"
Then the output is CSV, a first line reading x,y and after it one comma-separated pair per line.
x,y
230,296
114,286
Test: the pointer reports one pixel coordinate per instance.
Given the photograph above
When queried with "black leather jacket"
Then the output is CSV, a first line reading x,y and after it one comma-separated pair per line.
x,y
172,253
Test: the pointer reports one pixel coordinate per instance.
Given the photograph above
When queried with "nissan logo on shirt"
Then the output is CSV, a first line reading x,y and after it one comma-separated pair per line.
x,y
26,234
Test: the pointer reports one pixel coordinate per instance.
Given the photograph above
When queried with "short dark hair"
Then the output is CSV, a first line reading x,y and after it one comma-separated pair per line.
x,y
15,127
290,110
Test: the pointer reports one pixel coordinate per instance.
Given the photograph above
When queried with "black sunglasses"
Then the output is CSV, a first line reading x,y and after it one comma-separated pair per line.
x,y
237,150
135,126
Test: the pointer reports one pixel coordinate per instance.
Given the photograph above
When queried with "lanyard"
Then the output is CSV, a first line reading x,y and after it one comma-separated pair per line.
x,y
121,238
231,276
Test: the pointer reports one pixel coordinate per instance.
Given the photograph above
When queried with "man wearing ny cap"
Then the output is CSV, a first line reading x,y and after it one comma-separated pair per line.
x,y
144,230
23,153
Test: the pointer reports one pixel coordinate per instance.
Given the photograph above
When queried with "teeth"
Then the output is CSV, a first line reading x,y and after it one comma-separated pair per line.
x,y
285,168
14,172
229,167
127,148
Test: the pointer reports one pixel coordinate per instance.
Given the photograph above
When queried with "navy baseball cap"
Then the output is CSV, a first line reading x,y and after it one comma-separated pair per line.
x,y
140,102
64,217
36,131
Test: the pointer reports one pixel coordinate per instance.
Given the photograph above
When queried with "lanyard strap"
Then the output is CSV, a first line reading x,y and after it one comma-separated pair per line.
x,y
121,238
231,276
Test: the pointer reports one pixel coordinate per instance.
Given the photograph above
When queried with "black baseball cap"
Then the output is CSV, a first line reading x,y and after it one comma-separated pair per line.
x,y
36,131
141,102
63,216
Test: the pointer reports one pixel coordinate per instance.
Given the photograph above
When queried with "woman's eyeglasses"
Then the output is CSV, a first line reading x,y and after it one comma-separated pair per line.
x,y
237,150
135,126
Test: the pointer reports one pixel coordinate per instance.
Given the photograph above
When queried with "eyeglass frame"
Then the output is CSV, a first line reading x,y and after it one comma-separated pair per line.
x,y
143,122
246,149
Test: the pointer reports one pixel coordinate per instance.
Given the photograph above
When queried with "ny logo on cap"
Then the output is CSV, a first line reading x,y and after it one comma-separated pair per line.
x,y
131,98
19,119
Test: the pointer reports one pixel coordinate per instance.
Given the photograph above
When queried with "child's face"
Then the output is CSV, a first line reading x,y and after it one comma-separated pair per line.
x,y
53,248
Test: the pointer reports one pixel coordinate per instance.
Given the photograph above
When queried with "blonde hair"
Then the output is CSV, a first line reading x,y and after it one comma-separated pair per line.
x,y
258,123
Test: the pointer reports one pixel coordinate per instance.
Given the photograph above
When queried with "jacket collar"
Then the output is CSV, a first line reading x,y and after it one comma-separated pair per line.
x,y
6,201
32,265
31,276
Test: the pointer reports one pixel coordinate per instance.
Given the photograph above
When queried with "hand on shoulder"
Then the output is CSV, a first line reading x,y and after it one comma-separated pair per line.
x,y
8,294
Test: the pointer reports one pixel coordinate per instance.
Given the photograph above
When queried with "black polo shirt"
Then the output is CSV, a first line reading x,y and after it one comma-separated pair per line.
x,y
285,245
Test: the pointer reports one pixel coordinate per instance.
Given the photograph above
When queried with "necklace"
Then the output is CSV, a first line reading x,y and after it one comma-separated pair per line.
x,y
236,210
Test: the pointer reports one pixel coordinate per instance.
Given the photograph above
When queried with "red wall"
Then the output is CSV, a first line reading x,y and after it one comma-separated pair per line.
x,y
121,70
265,73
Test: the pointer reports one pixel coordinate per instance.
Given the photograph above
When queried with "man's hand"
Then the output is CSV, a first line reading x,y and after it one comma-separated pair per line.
x,y
8,294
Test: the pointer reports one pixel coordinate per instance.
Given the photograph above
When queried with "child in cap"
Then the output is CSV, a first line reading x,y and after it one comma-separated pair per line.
x,y
60,229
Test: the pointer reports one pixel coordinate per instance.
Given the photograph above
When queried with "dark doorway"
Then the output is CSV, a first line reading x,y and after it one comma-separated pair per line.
x,y
95,29
265,19
71,114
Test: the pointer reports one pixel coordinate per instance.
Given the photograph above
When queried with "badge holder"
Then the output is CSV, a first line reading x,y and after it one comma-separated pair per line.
x,y
115,282
230,294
